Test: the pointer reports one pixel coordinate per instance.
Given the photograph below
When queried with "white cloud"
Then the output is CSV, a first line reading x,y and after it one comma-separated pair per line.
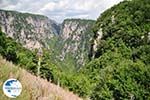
x,y
60,9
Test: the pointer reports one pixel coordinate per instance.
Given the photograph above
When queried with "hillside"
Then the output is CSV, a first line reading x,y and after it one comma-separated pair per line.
x,y
32,31
128,21
34,88
120,53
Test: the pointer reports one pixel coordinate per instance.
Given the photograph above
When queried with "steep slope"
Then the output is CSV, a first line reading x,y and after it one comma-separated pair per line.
x,y
34,88
73,42
129,21
33,31
120,65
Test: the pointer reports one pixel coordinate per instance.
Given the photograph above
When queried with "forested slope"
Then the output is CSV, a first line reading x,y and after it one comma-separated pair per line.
x,y
120,53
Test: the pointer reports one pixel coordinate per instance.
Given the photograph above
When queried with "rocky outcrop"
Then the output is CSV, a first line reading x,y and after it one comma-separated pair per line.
x,y
30,30
96,42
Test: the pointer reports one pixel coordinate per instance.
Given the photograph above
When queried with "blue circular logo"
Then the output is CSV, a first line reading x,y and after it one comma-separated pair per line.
x,y
12,88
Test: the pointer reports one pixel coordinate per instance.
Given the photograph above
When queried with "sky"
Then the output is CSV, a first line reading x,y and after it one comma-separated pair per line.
x,y
59,10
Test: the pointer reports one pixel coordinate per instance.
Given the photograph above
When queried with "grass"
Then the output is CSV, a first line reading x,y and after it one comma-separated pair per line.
x,y
8,70
34,88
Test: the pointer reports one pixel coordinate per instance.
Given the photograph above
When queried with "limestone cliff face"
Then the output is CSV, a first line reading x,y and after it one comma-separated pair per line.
x,y
68,41
75,36
30,30
96,42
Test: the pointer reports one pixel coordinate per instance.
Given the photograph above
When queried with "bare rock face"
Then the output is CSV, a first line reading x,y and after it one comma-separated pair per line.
x,y
96,42
149,36
30,30
75,35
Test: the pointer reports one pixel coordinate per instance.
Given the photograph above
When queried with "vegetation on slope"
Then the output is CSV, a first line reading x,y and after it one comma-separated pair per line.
x,y
34,88
121,66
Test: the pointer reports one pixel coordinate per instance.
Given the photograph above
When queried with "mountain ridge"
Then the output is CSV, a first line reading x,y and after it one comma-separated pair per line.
x,y
38,31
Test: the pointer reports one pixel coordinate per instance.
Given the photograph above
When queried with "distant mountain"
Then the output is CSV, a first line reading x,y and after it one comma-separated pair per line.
x,y
68,41
28,29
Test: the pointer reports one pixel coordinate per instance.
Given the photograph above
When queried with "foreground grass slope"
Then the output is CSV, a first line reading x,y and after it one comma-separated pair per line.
x,y
34,88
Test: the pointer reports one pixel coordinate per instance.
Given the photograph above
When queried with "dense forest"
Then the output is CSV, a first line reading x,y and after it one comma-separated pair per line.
x,y
121,64
120,67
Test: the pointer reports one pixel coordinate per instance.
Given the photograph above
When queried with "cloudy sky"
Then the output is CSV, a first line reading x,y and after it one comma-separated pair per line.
x,y
59,10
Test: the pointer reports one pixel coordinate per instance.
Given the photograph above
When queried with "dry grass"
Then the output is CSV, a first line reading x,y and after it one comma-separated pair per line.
x,y
34,88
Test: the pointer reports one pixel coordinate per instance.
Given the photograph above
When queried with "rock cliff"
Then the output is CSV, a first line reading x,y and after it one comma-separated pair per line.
x,y
30,30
